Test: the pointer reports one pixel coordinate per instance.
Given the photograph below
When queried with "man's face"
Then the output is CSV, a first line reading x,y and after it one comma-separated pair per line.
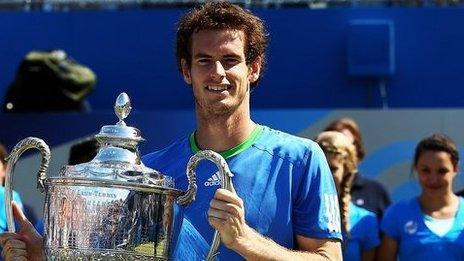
x,y
218,73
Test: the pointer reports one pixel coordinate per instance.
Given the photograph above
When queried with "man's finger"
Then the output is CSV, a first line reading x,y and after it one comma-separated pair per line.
x,y
229,208
219,214
14,248
228,196
15,254
14,244
20,217
4,237
216,223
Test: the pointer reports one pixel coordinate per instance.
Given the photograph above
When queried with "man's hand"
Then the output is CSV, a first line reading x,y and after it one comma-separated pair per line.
x,y
227,215
26,244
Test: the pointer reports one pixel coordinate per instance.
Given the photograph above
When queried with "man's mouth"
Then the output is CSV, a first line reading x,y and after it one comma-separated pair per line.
x,y
218,88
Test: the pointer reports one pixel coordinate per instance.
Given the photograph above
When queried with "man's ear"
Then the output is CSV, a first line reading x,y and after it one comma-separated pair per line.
x,y
186,71
255,69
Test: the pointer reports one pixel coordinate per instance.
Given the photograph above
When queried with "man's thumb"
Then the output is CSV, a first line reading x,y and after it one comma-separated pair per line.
x,y
20,217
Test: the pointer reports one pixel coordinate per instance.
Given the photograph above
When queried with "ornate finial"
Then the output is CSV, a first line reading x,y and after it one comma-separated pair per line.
x,y
122,107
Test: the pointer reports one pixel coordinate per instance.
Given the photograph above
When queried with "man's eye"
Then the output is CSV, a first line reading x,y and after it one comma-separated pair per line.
x,y
203,61
231,61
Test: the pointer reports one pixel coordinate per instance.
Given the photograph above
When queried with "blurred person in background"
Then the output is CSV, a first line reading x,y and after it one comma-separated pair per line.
x,y
360,226
430,226
365,192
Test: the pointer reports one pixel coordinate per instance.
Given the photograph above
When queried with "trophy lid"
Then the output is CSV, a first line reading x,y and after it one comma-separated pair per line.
x,y
120,134
118,159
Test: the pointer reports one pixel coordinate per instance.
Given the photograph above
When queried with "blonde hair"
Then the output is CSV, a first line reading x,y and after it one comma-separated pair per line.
x,y
336,143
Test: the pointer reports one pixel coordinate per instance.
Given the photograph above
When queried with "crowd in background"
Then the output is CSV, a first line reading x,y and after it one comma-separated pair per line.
x,y
427,227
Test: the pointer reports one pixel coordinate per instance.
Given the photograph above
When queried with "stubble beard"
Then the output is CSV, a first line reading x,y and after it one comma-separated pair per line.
x,y
216,111
208,111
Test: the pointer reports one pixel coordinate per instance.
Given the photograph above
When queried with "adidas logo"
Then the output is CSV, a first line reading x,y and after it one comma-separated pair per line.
x,y
215,180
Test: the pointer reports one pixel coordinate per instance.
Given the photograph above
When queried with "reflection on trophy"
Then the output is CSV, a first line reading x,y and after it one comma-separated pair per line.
x,y
113,207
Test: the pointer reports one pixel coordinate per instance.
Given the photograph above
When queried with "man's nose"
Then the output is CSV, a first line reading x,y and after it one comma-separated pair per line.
x,y
218,71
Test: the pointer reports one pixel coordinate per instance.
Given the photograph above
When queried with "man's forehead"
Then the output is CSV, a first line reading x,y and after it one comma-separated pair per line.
x,y
227,34
214,42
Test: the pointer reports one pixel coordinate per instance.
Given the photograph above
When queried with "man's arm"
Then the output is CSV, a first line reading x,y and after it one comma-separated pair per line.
x,y
226,214
262,248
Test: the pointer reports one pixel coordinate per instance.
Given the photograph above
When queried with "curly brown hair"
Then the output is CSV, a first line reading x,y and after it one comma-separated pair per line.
x,y
221,15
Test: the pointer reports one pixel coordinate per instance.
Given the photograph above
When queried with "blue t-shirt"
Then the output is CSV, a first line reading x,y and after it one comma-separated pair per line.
x,y
404,222
16,198
285,183
364,233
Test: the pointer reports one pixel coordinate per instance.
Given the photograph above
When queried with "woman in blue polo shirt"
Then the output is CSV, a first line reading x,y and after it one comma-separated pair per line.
x,y
360,227
430,226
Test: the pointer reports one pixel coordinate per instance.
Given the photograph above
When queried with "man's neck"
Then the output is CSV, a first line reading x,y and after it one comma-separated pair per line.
x,y
224,133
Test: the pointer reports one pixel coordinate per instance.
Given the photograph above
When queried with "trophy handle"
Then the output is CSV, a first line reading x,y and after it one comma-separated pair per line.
x,y
189,196
22,146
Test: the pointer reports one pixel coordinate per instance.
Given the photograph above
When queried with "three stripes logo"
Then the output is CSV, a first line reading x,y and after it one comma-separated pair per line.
x,y
333,212
215,180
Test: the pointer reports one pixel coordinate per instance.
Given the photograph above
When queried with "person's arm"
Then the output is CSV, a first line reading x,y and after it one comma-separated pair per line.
x,y
388,249
26,244
261,248
226,214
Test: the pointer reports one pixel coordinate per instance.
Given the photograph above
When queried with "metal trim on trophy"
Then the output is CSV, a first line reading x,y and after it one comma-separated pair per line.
x,y
113,207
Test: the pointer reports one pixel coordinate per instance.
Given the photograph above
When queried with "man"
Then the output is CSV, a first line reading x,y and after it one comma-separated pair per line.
x,y
280,180
284,205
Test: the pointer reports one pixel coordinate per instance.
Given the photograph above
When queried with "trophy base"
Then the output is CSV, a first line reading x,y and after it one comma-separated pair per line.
x,y
100,255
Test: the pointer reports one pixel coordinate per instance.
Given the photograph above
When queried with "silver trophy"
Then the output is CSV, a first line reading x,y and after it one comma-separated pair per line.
x,y
113,207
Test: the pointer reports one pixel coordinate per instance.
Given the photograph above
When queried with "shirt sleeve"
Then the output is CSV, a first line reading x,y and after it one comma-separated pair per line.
x,y
316,211
389,224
